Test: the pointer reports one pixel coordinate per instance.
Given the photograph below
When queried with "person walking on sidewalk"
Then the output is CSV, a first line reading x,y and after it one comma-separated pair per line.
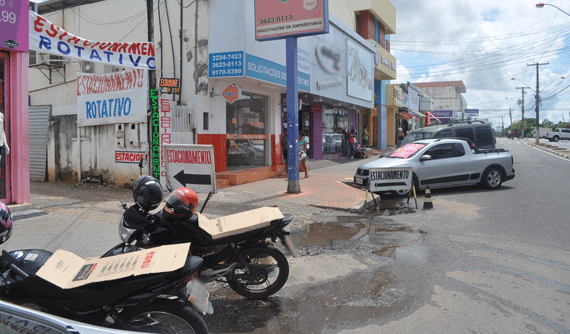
x,y
303,154
401,137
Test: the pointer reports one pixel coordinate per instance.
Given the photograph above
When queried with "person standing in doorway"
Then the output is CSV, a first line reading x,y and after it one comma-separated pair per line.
x,y
401,137
303,155
283,141
352,143
365,137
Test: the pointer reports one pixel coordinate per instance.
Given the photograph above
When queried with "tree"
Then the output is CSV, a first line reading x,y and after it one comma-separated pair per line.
x,y
547,124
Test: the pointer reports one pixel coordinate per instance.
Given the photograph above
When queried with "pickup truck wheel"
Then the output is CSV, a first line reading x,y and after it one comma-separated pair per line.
x,y
556,138
492,178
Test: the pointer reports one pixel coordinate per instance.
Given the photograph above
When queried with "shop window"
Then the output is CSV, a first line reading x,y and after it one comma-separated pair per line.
x,y
246,127
334,121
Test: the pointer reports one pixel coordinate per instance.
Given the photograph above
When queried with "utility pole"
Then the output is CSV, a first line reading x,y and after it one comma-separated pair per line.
x,y
511,117
537,98
522,110
502,125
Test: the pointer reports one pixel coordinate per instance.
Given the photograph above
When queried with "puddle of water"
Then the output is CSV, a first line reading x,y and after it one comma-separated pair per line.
x,y
414,256
323,235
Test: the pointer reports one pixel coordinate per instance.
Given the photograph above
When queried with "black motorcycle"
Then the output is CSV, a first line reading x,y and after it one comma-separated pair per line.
x,y
248,261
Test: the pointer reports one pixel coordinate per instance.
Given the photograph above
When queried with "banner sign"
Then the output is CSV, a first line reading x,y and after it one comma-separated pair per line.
x,y
360,72
290,18
443,113
13,26
49,38
119,97
390,179
190,166
473,113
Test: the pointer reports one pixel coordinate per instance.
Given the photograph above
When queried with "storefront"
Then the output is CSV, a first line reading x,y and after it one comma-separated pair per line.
x,y
394,119
335,80
14,48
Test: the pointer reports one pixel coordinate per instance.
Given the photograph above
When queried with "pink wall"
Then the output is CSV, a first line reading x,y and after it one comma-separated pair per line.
x,y
19,129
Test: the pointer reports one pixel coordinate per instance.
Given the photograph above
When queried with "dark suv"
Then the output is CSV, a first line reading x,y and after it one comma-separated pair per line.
x,y
479,132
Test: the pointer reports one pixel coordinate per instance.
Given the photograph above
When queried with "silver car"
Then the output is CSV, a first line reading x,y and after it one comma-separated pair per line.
x,y
447,162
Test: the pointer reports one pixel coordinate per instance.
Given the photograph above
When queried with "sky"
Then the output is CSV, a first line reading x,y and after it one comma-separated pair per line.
x,y
484,44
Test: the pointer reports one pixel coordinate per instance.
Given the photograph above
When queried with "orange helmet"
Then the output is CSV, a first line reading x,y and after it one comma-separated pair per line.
x,y
181,203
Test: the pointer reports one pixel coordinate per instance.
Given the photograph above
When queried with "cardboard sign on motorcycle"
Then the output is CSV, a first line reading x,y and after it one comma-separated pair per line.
x,y
68,270
390,179
190,166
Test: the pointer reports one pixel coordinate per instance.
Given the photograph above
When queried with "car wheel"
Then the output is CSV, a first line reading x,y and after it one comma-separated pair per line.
x,y
550,140
556,139
492,178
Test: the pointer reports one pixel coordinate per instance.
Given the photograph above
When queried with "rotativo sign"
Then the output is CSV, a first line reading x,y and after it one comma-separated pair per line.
x,y
47,37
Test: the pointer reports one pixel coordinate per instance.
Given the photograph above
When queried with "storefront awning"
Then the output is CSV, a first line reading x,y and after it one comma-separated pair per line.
x,y
416,113
405,115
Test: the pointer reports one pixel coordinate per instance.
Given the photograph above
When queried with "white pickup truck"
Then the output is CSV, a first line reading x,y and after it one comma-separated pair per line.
x,y
558,134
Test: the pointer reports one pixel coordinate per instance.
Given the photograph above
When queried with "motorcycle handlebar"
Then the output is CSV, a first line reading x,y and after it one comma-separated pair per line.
x,y
13,264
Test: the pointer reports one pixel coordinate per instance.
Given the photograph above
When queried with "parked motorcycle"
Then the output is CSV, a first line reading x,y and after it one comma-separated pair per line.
x,y
157,303
248,261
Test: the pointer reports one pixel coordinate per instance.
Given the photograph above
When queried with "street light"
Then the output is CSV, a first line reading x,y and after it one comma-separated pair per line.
x,y
541,5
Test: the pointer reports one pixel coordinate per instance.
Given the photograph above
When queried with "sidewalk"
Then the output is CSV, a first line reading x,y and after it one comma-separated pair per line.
x,y
84,218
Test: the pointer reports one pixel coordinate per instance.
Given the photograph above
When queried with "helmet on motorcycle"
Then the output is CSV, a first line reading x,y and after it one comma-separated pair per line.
x,y
181,203
147,192
5,223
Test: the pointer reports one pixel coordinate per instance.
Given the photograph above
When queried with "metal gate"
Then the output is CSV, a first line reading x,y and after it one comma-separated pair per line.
x,y
39,117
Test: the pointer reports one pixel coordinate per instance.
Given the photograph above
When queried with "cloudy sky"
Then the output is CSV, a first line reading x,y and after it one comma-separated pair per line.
x,y
485,43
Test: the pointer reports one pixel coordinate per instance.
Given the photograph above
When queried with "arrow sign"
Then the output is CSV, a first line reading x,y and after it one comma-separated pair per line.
x,y
185,179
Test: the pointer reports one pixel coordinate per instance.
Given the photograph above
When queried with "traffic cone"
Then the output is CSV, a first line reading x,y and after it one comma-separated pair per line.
x,y
427,200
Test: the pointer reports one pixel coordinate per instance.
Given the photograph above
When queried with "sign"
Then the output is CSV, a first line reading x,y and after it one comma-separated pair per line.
x,y
14,34
263,69
395,95
329,57
155,139
390,179
290,18
226,64
443,113
129,157
360,72
190,166
472,113
49,38
119,97
232,93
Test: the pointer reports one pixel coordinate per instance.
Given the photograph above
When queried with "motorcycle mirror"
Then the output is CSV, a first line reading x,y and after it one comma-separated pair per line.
x,y
143,162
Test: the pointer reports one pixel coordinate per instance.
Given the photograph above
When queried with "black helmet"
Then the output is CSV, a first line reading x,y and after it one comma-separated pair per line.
x,y
5,223
147,192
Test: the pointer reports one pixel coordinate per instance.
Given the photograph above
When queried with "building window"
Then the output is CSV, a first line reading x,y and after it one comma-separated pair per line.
x,y
206,121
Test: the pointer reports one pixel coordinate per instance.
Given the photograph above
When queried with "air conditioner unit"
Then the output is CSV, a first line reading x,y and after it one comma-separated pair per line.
x,y
87,67
56,60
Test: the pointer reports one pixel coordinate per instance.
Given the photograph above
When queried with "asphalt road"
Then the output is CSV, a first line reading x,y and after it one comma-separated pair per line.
x,y
481,261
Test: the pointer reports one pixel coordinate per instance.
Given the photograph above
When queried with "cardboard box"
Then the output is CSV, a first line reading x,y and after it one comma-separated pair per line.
x,y
68,270
242,222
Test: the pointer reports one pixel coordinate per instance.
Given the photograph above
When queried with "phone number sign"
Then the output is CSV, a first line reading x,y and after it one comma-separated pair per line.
x,y
14,25
226,64
276,19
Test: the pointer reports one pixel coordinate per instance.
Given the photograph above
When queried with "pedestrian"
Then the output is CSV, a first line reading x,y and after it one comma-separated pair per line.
x,y
283,141
352,143
303,154
365,137
401,137
344,143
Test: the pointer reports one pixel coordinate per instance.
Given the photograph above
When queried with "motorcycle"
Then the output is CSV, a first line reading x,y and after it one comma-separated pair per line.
x,y
157,302
249,262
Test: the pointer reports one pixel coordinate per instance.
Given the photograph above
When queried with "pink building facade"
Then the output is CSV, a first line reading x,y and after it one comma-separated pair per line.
x,y
14,126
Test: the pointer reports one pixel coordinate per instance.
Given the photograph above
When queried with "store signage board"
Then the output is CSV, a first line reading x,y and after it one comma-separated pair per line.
x,y
390,179
190,166
14,26
277,19
226,64
232,93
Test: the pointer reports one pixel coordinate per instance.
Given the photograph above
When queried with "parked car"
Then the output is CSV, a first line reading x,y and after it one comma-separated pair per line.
x,y
254,152
445,162
479,132
558,134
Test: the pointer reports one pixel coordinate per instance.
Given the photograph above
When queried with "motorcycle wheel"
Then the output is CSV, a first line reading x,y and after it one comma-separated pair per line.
x,y
165,316
264,274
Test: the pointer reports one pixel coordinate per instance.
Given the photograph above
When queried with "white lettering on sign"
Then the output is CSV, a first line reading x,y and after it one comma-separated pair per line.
x,y
389,175
388,63
189,157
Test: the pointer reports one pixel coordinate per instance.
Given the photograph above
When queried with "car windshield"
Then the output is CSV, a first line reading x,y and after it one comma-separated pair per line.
x,y
406,151
412,136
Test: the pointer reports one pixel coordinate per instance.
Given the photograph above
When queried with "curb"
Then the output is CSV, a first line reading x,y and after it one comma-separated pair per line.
x,y
550,151
19,215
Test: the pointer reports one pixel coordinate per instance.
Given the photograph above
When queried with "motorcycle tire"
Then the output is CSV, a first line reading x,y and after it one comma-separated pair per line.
x,y
254,279
165,316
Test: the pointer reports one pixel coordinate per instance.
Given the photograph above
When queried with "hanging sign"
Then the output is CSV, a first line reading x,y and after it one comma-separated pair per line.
x,y
232,93
119,97
47,37
14,25
290,18
190,166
